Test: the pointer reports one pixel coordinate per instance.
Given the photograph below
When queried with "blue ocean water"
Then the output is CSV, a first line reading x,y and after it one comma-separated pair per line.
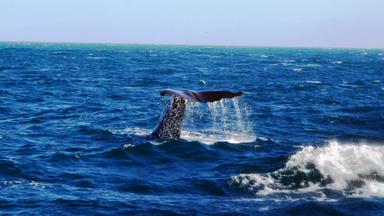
x,y
307,137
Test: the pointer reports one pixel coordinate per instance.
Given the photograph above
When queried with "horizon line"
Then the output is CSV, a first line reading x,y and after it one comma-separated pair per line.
x,y
193,45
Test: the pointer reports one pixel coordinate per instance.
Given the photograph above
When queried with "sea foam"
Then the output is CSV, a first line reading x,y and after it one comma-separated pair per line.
x,y
347,168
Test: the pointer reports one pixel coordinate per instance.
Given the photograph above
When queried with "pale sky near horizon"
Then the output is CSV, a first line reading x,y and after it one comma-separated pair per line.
x,y
298,23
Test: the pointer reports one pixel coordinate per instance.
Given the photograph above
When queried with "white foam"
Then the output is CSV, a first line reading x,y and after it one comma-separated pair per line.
x,y
128,146
209,139
290,60
297,69
313,81
286,64
21,183
338,62
91,56
312,65
36,184
135,130
346,84
354,170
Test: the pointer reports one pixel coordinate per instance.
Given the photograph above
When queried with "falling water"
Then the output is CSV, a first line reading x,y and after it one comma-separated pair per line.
x,y
225,120
224,114
239,119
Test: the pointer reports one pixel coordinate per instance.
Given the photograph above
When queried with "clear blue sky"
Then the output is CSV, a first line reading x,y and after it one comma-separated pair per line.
x,y
309,23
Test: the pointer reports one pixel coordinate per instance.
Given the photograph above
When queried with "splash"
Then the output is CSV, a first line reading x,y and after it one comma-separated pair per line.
x,y
346,168
226,120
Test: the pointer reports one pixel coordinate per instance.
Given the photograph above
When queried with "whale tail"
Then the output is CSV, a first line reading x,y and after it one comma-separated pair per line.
x,y
200,96
170,123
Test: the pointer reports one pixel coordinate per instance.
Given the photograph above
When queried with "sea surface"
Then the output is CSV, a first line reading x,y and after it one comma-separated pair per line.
x,y
306,138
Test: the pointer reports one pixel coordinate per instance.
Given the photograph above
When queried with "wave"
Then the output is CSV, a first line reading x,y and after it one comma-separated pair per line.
x,y
10,168
347,169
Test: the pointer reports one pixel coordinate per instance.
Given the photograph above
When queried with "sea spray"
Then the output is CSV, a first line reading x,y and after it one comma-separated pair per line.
x,y
349,168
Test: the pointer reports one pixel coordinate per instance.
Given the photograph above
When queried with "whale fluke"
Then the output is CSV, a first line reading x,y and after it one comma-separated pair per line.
x,y
169,126
200,96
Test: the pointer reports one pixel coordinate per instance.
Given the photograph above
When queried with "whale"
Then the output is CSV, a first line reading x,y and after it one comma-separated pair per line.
x,y
170,123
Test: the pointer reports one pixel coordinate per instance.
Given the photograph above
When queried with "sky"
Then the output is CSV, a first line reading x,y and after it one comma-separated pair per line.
x,y
282,23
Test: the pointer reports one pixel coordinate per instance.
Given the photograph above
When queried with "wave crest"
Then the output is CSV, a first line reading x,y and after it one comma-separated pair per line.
x,y
346,168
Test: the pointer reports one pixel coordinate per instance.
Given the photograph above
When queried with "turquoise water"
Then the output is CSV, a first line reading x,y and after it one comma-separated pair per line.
x,y
306,138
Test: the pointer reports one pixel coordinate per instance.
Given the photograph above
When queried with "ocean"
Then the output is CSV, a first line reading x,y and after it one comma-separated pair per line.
x,y
306,138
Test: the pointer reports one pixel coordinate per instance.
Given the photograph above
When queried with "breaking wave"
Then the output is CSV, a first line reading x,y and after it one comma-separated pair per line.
x,y
346,169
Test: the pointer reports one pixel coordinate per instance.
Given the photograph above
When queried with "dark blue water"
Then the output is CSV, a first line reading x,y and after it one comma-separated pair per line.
x,y
308,135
